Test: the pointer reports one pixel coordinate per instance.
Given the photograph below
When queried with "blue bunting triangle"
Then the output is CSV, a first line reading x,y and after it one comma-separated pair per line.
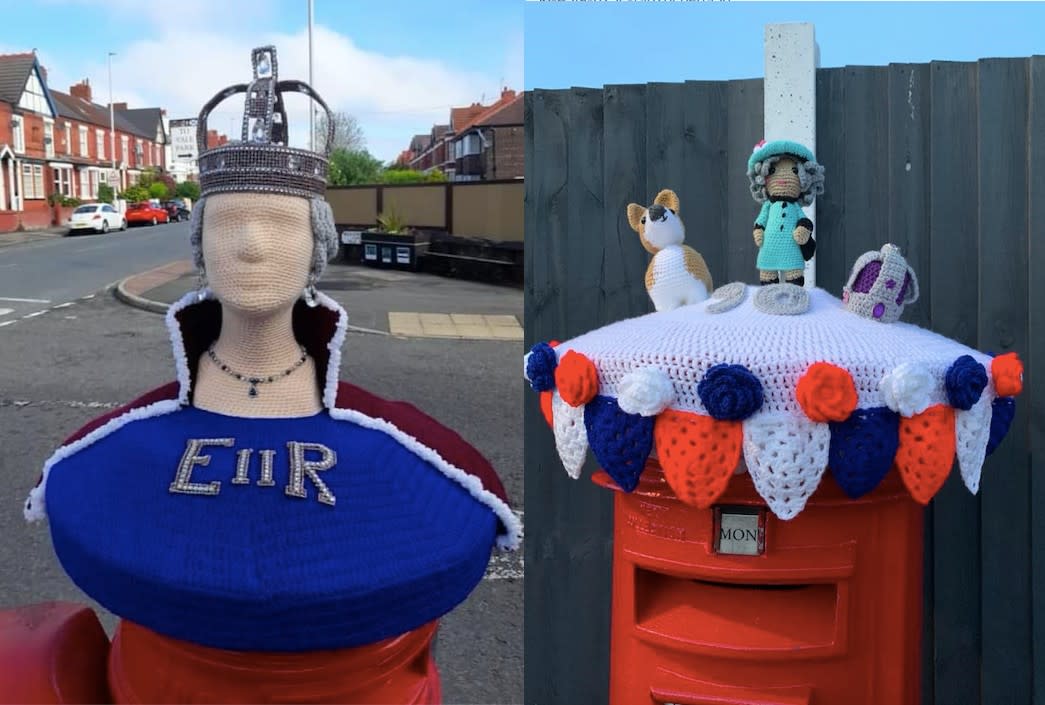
x,y
620,441
863,448
1003,409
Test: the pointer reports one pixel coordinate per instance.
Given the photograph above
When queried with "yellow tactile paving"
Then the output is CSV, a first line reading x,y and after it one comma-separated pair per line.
x,y
463,326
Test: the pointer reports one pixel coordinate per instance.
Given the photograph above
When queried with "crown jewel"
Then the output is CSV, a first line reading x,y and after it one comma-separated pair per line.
x,y
262,160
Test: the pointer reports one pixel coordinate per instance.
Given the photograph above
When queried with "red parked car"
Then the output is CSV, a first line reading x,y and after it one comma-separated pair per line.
x,y
144,212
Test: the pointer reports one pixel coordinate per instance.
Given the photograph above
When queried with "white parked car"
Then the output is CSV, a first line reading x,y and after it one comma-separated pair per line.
x,y
99,217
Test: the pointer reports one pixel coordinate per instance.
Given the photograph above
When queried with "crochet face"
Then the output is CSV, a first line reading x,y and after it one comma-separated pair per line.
x,y
659,225
783,180
257,249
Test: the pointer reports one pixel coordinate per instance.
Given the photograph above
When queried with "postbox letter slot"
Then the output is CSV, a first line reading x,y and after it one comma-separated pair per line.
x,y
741,620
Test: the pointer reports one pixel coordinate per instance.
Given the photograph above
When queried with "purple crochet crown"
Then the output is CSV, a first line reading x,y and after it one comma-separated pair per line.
x,y
262,160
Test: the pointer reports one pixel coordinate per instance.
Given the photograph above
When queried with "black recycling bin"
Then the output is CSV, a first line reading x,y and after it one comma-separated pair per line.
x,y
394,250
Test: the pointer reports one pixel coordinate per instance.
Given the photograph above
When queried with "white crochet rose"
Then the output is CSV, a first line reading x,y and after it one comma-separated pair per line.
x,y
907,390
646,391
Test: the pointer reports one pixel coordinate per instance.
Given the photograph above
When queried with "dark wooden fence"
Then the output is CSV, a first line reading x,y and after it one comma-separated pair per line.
x,y
947,160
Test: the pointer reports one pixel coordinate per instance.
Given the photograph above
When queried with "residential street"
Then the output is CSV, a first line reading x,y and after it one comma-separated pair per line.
x,y
70,351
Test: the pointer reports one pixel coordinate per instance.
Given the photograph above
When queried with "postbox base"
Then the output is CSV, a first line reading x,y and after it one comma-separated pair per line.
x,y
732,606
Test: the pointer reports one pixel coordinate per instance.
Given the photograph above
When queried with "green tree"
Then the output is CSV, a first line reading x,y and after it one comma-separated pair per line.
x,y
411,176
135,194
106,193
158,189
188,189
348,168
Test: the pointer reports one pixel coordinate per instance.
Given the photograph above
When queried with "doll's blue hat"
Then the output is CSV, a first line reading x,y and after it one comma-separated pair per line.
x,y
778,148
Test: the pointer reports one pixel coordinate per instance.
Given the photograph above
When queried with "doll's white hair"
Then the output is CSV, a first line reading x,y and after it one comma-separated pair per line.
x,y
810,179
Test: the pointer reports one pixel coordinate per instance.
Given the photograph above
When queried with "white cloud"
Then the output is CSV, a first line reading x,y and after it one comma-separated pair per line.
x,y
394,96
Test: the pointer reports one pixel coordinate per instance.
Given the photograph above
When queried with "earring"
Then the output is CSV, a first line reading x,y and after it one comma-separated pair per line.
x,y
310,291
201,285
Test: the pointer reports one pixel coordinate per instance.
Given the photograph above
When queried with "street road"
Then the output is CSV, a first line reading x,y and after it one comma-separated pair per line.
x,y
41,274
85,352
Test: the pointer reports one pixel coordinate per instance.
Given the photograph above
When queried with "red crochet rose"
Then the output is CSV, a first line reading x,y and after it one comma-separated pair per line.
x,y
1007,371
826,393
576,379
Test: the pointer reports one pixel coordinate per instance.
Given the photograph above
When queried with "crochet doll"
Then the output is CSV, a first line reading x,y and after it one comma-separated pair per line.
x,y
784,177
258,504
677,275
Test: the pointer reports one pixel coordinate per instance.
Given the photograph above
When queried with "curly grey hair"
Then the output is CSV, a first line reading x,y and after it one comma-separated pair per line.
x,y
810,179
324,234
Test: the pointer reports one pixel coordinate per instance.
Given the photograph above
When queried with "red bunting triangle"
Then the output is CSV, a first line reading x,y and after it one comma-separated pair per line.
x,y
698,454
926,451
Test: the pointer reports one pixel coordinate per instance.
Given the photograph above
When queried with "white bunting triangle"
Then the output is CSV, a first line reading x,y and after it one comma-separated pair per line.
x,y
571,437
786,456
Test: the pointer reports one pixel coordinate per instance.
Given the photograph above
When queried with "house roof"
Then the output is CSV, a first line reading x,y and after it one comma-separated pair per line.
x,y
145,120
420,142
14,72
459,117
507,111
73,108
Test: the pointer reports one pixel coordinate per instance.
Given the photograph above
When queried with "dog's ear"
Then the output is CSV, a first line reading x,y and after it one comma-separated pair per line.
x,y
635,213
668,199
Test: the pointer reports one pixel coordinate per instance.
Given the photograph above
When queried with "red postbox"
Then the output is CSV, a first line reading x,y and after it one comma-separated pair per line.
x,y
58,653
732,606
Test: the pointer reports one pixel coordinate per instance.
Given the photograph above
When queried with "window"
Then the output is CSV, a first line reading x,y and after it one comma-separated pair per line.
x,y
138,152
83,141
108,209
33,181
49,138
19,133
85,183
99,143
123,148
469,144
156,154
63,181
68,138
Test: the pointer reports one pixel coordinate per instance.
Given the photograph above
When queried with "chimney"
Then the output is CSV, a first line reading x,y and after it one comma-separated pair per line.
x,y
119,106
81,90
507,93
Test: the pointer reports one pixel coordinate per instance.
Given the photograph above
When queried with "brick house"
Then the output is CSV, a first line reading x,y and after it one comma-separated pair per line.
x,y
429,151
28,117
490,145
60,143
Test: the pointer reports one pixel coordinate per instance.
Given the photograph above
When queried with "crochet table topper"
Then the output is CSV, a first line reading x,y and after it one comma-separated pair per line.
x,y
730,385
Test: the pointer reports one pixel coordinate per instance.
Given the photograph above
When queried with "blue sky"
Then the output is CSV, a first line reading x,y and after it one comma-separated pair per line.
x,y
595,44
398,65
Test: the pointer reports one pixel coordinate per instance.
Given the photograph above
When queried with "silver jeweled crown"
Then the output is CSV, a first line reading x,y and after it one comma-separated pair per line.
x,y
262,161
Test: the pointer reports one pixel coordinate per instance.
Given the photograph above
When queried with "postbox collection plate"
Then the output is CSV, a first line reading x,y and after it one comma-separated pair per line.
x,y
740,530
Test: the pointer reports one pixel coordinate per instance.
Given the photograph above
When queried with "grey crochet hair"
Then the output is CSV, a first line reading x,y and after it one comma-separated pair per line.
x,y
324,234
810,179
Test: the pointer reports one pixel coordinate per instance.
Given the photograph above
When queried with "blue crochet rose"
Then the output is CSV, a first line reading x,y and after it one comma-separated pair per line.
x,y
965,382
730,392
540,367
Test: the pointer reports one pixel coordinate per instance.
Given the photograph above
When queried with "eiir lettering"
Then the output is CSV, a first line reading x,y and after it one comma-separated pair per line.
x,y
300,468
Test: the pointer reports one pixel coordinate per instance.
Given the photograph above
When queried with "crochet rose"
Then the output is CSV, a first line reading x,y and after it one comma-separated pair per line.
x,y
908,389
646,392
540,366
1007,371
965,382
576,379
730,392
826,393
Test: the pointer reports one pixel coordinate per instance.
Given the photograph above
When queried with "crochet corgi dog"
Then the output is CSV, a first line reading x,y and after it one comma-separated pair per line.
x,y
677,274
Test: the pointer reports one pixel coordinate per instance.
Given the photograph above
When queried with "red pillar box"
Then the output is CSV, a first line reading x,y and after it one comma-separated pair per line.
x,y
771,451
731,605
146,667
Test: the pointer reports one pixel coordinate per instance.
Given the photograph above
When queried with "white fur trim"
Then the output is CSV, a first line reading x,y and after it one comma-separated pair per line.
x,y
526,362
36,504
910,388
181,361
571,437
334,346
472,483
646,391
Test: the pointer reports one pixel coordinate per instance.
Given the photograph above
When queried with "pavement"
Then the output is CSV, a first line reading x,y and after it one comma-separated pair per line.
x,y
27,236
381,301
70,355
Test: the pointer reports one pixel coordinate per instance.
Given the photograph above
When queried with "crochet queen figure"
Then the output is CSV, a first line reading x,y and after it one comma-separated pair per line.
x,y
257,504
784,177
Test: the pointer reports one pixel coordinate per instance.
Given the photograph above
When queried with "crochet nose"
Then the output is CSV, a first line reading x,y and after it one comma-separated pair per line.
x,y
656,212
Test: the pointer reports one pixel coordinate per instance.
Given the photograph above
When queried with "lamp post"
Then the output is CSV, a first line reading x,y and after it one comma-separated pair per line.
x,y
311,105
112,117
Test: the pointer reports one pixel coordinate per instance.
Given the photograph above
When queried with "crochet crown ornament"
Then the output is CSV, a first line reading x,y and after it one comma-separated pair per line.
x,y
261,161
880,285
